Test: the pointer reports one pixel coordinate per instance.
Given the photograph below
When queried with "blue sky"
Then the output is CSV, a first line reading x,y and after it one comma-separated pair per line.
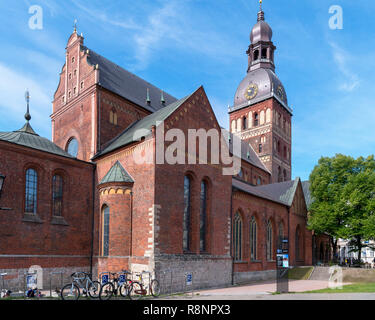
x,y
179,45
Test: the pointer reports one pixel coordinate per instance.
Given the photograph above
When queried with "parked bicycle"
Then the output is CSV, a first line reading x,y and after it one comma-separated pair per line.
x,y
117,283
81,280
139,289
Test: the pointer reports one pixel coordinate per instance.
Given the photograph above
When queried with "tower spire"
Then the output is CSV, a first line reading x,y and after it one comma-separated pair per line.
x,y
260,13
75,26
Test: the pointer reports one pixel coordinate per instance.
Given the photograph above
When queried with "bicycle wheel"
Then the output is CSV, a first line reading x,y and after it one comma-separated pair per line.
x,y
155,288
125,289
106,291
70,292
94,289
137,291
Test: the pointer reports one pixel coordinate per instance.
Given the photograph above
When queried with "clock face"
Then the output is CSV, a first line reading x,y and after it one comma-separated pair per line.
x,y
280,92
251,91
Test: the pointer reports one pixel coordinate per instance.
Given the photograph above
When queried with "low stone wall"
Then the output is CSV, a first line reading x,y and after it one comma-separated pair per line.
x,y
252,276
358,275
207,272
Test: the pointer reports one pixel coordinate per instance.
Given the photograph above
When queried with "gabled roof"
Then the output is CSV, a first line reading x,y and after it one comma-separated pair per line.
x,y
27,137
282,192
126,84
141,128
117,174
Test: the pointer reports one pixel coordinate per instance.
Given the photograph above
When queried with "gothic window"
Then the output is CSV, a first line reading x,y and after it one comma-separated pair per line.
x,y
297,244
253,239
57,195
72,147
203,217
237,237
187,213
269,245
31,192
105,234
256,119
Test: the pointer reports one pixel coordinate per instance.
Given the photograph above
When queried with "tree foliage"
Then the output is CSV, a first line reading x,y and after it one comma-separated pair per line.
x,y
343,198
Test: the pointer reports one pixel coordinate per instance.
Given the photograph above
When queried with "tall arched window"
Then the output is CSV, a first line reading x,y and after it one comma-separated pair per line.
x,y
72,147
105,237
297,244
203,217
244,123
279,176
57,195
253,239
237,237
187,213
269,241
31,192
281,232
113,116
256,55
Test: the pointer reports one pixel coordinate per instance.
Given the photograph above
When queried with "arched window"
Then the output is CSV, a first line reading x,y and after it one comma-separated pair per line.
x,y
72,147
237,237
284,151
279,176
278,147
187,213
244,123
113,117
281,231
256,119
260,148
105,237
285,175
253,239
269,241
57,195
203,217
297,244
31,192
259,181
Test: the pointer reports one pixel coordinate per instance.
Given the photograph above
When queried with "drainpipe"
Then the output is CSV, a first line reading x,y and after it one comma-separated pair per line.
x,y
131,225
93,218
231,233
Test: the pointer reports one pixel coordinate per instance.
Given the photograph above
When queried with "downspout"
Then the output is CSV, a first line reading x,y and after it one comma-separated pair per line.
x,y
231,233
289,235
131,225
93,218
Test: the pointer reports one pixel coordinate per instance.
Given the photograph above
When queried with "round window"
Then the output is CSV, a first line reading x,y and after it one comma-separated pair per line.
x,y
72,148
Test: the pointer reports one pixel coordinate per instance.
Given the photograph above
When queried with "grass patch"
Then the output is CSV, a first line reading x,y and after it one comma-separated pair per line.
x,y
299,273
350,288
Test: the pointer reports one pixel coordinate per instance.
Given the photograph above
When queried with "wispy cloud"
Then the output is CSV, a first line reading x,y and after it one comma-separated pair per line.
x,y
349,79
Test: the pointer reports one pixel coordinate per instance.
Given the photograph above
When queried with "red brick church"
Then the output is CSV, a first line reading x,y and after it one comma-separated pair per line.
x,y
80,201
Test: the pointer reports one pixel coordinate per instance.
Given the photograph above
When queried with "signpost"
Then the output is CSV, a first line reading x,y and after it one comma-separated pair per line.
x,y
282,265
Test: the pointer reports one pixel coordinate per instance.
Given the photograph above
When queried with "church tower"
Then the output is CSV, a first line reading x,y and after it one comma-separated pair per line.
x,y
260,114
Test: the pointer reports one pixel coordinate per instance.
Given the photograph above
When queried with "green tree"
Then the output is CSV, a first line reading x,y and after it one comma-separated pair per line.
x,y
343,195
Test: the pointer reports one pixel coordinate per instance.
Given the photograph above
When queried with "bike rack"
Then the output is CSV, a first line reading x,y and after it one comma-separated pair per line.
x,y
50,281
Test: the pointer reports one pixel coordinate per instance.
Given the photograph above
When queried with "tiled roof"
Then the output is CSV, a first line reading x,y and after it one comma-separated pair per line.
x,y
307,193
127,85
141,128
282,192
117,174
27,137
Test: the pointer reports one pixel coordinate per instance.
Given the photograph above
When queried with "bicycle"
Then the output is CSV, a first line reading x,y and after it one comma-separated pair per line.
x,y
81,280
139,290
4,293
119,283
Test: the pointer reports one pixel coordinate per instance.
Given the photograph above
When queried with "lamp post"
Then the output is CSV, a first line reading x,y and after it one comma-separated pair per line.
x,y
2,179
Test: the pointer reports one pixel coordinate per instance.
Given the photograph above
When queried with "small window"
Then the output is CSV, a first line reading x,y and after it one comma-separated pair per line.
x,y
256,55
260,148
70,76
244,123
75,72
72,147
73,59
74,90
256,119
113,117
264,53
82,85
259,181
70,94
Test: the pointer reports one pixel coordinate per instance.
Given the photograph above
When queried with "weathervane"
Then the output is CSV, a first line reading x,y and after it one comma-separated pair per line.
x,y
27,98
260,4
75,25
